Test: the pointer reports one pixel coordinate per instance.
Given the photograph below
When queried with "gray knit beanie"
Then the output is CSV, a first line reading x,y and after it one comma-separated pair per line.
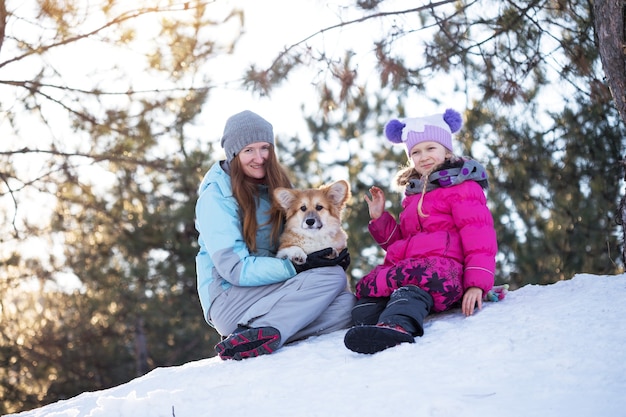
x,y
245,128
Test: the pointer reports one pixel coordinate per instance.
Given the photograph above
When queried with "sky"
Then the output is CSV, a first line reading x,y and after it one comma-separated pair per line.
x,y
548,351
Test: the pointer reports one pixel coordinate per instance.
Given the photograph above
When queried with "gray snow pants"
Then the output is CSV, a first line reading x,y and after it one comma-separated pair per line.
x,y
314,302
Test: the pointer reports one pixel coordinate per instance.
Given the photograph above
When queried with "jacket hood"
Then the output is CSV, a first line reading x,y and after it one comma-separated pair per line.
x,y
217,175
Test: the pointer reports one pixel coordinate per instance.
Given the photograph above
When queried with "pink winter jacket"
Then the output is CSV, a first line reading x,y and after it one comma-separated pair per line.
x,y
458,225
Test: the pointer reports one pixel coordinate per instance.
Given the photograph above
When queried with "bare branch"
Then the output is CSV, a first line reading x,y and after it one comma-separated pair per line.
x,y
129,15
157,164
356,21
11,191
34,86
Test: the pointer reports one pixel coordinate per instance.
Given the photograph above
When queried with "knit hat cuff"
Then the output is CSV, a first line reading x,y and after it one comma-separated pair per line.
x,y
430,134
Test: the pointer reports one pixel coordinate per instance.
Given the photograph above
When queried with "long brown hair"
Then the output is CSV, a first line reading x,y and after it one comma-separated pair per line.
x,y
246,192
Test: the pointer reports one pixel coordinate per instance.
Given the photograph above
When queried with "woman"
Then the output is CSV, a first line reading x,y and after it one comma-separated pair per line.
x,y
258,302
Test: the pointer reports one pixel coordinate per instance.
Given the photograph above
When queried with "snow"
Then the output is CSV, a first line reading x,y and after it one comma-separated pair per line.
x,y
555,350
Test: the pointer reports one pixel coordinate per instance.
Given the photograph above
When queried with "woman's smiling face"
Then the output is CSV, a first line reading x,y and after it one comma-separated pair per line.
x,y
252,159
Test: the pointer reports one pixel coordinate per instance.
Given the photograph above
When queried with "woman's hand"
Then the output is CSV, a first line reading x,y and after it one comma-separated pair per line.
x,y
376,204
472,298
321,258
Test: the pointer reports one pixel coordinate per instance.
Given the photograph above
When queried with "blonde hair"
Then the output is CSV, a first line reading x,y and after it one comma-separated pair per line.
x,y
246,193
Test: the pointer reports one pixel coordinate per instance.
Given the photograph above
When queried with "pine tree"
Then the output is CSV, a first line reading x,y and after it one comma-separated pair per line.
x,y
538,114
119,185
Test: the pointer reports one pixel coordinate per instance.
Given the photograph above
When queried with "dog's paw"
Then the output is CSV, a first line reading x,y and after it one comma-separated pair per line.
x,y
294,253
298,260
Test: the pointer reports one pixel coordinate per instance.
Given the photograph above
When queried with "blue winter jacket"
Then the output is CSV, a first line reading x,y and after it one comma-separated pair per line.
x,y
224,259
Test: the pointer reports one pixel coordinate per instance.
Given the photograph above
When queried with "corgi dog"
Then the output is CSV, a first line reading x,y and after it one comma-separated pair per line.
x,y
313,220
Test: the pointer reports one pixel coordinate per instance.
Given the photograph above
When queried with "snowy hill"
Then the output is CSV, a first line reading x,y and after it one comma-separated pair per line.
x,y
557,350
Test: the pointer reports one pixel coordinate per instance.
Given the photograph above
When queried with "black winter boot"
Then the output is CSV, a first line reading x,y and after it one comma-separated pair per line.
x,y
401,320
372,339
408,307
367,310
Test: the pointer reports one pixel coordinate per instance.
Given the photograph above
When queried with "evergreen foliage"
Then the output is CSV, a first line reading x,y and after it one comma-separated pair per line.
x,y
538,115
119,298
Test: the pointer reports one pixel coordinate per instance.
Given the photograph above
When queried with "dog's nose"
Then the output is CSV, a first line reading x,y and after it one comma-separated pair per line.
x,y
310,222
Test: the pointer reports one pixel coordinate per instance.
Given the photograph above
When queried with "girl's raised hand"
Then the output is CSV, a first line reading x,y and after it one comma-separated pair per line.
x,y
376,204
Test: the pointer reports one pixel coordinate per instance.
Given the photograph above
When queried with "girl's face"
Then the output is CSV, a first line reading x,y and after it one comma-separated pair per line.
x,y
252,159
427,155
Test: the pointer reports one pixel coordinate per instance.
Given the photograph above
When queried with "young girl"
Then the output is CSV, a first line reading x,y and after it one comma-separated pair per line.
x,y
256,301
443,249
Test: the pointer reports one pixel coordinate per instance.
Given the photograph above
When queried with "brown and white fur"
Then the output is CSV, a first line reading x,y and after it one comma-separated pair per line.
x,y
313,220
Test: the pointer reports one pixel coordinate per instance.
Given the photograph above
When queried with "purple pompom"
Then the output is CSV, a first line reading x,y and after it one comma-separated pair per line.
x,y
453,119
393,131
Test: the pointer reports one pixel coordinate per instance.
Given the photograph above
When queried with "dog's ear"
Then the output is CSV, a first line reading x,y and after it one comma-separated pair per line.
x,y
284,197
339,192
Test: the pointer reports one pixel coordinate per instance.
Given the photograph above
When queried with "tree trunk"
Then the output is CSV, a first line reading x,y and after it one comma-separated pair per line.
x,y
609,16
3,21
141,348
609,24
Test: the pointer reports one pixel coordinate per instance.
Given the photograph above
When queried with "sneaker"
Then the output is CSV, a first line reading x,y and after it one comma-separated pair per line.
x,y
372,339
248,343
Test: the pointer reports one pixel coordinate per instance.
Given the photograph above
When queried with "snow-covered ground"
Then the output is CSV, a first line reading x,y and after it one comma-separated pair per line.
x,y
556,350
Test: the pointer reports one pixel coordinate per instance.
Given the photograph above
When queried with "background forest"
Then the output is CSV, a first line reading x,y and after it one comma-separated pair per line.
x,y
111,112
